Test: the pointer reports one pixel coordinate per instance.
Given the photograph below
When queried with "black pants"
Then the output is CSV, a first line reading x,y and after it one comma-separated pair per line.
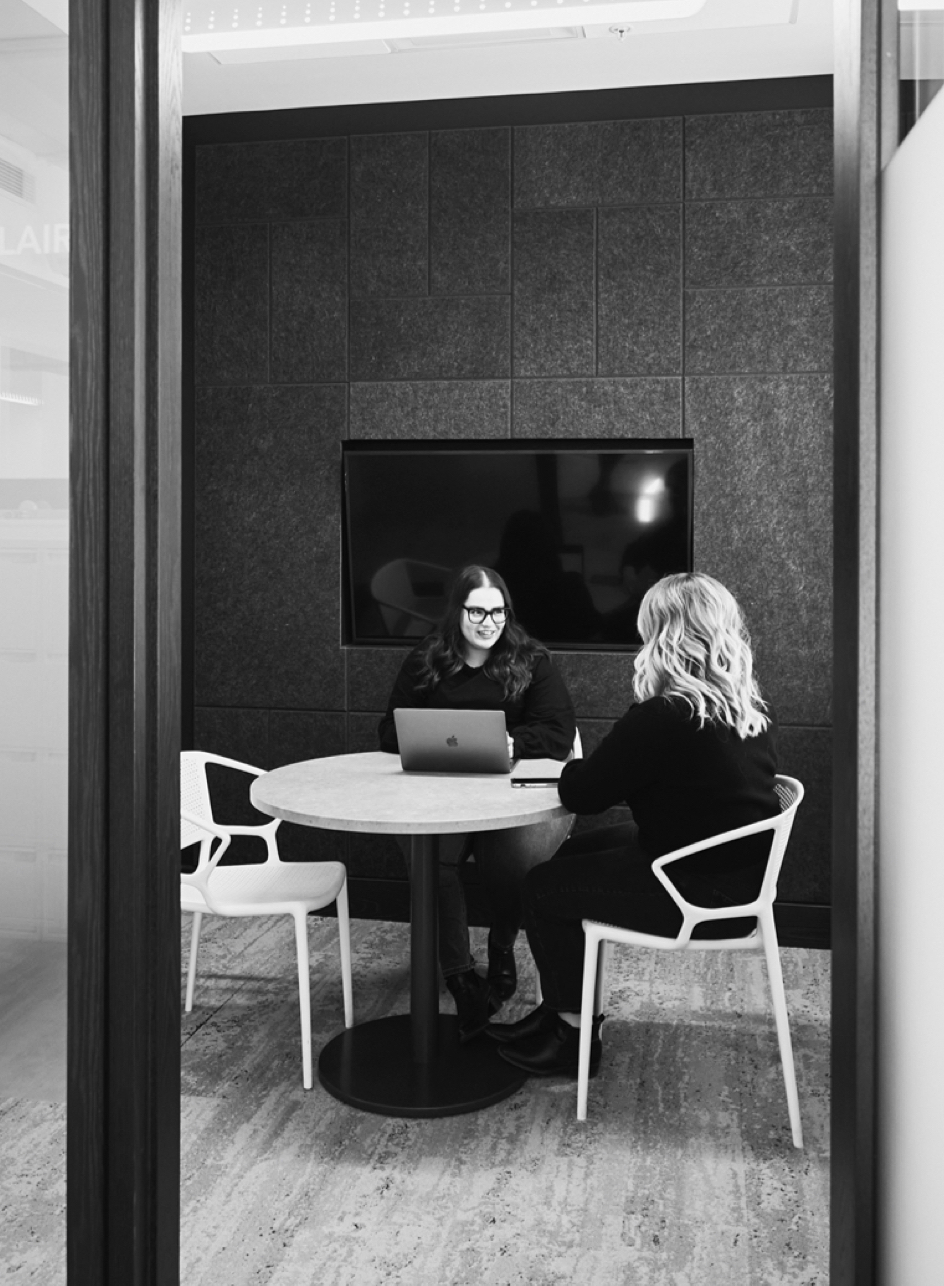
x,y
601,875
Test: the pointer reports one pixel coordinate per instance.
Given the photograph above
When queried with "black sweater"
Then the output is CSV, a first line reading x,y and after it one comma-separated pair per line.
x,y
541,721
684,783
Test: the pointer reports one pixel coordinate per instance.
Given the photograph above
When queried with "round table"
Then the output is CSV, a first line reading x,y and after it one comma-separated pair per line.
x,y
408,1064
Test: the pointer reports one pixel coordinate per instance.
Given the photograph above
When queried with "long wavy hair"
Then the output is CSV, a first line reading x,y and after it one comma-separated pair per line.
x,y
510,660
696,649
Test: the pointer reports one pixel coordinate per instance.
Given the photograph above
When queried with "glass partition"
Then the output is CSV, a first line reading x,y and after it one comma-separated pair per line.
x,y
920,56
34,553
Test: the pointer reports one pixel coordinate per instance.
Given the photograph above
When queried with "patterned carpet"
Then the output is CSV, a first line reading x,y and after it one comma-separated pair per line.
x,y
683,1175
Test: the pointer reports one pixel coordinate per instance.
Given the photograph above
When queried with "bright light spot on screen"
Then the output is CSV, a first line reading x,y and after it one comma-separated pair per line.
x,y
650,499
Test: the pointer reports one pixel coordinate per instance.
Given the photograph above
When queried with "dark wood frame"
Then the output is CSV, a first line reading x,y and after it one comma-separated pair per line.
x,y
125,666
123,1091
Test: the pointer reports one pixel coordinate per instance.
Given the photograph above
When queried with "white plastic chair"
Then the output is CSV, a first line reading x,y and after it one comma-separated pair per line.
x,y
272,887
764,937
576,753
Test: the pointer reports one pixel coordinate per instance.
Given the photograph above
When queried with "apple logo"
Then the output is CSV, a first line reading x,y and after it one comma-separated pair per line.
x,y
452,741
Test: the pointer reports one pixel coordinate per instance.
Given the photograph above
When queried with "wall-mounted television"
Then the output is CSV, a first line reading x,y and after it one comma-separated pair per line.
x,y
579,530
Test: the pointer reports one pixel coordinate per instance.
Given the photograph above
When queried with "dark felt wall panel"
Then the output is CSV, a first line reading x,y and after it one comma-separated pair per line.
x,y
624,278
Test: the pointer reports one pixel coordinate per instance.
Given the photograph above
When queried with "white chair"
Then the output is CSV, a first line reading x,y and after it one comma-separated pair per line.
x,y
764,937
576,753
272,887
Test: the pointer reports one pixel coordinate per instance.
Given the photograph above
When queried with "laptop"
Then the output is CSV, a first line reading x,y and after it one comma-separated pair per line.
x,y
452,741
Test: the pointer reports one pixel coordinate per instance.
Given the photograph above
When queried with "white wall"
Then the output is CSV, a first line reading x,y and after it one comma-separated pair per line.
x,y
911,735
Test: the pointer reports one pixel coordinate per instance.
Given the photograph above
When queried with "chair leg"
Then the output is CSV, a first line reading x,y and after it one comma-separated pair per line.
x,y
344,940
538,995
591,953
775,977
192,967
304,995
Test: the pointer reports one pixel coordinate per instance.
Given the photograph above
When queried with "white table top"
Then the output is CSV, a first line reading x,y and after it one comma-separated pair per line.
x,y
371,792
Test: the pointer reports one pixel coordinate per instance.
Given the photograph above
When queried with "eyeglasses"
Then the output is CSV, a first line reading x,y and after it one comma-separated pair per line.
x,y
478,614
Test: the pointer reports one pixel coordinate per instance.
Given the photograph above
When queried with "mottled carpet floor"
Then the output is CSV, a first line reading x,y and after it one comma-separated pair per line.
x,y
684,1173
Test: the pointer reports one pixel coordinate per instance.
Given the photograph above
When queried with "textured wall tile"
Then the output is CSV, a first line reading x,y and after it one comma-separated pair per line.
x,y
389,214
371,674
309,302
783,153
362,730
431,409
470,196
600,683
601,163
416,339
598,408
787,328
743,243
553,291
763,523
231,305
296,179
639,282
267,504
807,754
295,735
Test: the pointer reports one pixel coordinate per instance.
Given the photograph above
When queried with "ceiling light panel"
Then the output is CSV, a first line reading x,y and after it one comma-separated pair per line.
x,y
211,26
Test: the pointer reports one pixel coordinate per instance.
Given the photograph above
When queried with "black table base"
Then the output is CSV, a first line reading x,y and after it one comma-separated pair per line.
x,y
372,1067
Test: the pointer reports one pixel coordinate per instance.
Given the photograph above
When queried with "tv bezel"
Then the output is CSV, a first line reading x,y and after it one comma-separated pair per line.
x,y
497,446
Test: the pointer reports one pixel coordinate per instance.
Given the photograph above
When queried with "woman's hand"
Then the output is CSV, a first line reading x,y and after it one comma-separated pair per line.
x,y
511,745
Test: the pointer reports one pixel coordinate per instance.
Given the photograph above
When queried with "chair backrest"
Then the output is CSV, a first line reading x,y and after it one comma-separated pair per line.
x,y
577,751
789,793
194,795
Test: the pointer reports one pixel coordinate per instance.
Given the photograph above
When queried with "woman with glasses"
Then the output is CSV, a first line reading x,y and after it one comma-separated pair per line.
x,y
480,658
695,756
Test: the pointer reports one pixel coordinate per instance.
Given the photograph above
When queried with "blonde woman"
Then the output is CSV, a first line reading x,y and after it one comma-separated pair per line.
x,y
694,756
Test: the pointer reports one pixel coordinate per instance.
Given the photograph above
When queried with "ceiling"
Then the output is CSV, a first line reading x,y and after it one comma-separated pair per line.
x,y
784,38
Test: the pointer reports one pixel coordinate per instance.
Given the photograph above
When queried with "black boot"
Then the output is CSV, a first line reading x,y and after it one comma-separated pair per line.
x,y
474,1002
532,1023
553,1049
502,973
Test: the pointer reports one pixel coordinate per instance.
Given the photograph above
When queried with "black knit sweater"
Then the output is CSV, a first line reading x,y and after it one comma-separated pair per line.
x,y
541,721
684,783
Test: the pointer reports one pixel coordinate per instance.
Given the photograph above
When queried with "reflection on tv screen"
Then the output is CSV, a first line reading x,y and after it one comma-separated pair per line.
x,y
578,532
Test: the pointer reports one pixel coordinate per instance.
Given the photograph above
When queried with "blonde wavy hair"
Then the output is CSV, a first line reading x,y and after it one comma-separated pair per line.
x,y
696,648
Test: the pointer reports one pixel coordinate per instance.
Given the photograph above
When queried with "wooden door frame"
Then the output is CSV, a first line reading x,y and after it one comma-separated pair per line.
x,y
125,663
123,1080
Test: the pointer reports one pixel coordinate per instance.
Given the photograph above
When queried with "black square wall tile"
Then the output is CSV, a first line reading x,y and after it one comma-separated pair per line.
x,y
777,328
309,302
807,754
295,735
233,733
744,243
470,197
431,409
598,408
553,290
429,339
292,179
600,683
371,675
600,163
741,154
362,731
639,275
763,524
231,304
267,506
389,214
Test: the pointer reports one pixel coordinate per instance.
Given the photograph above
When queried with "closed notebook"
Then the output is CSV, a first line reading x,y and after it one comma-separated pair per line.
x,y
452,741
537,772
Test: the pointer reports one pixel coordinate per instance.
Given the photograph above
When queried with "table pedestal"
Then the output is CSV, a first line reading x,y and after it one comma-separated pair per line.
x,y
412,1064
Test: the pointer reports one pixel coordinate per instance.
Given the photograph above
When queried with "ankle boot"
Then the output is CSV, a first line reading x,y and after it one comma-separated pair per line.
x,y
474,1002
553,1050
502,973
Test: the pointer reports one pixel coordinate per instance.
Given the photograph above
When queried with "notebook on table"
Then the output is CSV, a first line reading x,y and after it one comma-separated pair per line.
x,y
452,741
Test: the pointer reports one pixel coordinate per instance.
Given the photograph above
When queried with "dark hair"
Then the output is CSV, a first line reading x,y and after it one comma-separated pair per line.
x,y
510,660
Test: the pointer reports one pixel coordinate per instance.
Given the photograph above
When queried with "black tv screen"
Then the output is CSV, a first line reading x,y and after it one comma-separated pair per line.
x,y
578,530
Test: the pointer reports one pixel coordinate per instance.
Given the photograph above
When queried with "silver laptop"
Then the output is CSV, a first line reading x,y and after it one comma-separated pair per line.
x,y
452,741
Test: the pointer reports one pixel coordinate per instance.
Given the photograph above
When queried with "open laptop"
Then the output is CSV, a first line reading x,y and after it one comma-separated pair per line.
x,y
452,741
